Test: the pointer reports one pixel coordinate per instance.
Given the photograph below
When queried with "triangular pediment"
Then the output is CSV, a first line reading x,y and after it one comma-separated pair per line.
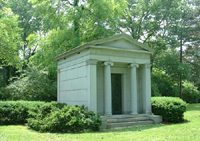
x,y
122,44
121,41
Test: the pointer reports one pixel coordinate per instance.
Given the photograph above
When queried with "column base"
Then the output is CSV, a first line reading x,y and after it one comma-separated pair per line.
x,y
107,114
134,114
148,113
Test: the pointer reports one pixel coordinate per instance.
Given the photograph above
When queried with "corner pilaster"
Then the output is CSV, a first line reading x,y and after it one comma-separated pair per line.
x,y
92,84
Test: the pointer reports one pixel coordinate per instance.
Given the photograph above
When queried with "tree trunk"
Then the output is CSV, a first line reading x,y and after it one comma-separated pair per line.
x,y
76,26
4,77
181,60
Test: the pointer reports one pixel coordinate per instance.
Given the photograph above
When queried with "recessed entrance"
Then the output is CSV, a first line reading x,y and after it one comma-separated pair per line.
x,y
116,94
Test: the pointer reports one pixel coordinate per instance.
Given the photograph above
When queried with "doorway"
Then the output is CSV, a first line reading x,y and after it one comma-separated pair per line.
x,y
116,94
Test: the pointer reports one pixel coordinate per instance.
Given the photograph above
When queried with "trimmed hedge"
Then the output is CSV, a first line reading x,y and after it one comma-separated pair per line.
x,y
15,112
170,108
48,116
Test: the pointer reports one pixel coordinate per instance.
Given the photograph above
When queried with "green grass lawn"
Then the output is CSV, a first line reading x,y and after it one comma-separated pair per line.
x,y
187,131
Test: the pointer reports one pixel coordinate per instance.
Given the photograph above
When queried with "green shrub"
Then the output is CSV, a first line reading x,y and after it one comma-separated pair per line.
x,y
32,85
190,94
15,112
162,85
46,118
154,89
170,108
3,94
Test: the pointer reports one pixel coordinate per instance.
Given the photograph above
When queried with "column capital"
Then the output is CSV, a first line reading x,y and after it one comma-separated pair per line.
x,y
91,62
133,65
108,63
147,65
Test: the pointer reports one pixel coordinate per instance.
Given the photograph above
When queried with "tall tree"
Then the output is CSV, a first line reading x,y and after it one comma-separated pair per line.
x,y
28,22
192,52
69,23
10,37
147,19
163,25
179,31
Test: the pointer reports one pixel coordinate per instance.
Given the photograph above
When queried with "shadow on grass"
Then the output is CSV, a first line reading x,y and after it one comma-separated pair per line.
x,y
142,128
128,129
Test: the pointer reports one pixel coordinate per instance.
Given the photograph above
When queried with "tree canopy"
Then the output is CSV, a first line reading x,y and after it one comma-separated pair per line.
x,y
10,37
35,31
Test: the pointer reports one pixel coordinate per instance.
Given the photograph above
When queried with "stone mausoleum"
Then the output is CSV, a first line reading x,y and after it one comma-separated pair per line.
x,y
111,76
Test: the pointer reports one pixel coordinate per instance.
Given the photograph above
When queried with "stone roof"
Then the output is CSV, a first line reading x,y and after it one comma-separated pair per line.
x,y
100,44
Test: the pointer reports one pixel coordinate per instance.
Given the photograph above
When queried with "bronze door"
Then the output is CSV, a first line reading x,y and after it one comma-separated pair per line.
x,y
116,94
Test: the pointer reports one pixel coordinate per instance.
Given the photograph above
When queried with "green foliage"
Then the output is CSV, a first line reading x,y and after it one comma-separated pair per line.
x,y
15,112
67,24
3,94
25,11
52,27
10,36
190,94
154,89
48,118
187,131
28,22
144,19
192,56
168,61
162,85
170,108
33,85
58,41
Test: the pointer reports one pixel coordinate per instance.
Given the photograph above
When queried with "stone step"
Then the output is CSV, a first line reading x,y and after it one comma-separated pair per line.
x,y
124,116
124,121
129,119
129,124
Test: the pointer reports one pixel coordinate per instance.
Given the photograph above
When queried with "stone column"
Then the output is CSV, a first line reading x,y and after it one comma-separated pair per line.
x,y
58,85
92,85
134,99
107,88
147,88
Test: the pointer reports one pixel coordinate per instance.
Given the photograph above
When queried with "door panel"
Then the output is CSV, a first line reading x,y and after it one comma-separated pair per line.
x,y
116,94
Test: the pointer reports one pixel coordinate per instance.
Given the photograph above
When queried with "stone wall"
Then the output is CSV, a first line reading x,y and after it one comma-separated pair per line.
x,y
72,80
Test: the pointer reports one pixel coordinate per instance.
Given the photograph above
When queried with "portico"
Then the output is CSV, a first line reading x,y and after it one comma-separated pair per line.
x,y
111,76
